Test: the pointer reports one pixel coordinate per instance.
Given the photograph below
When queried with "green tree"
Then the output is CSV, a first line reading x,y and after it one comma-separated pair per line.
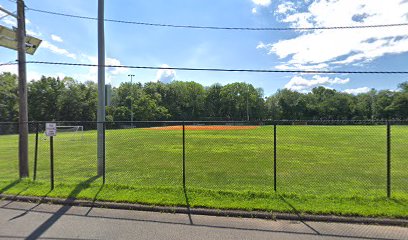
x,y
8,98
399,105
213,104
130,98
383,108
78,101
43,99
292,104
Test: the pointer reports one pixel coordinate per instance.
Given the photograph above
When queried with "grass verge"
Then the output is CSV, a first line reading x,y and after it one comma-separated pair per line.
x,y
365,206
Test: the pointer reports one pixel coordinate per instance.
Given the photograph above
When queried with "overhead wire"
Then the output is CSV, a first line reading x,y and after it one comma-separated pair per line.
x,y
7,15
217,69
8,63
218,27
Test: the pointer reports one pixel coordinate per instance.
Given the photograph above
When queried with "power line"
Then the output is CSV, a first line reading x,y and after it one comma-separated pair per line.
x,y
218,69
210,69
220,28
7,15
8,63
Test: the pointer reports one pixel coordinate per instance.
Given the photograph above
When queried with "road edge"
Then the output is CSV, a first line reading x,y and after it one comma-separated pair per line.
x,y
210,212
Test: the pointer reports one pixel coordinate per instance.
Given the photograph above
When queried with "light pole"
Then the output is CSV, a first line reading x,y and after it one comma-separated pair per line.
x,y
131,99
247,103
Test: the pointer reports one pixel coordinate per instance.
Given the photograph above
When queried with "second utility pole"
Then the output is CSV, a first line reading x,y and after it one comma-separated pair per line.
x,y
101,87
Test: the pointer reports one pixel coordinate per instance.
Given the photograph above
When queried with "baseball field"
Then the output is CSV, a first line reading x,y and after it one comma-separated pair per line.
x,y
319,169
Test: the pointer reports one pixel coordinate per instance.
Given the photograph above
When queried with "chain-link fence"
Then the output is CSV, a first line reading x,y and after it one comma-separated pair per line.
x,y
143,154
359,158
8,151
74,151
399,159
329,159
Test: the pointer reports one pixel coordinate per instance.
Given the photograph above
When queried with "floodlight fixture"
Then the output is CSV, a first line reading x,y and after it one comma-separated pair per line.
x,y
8,39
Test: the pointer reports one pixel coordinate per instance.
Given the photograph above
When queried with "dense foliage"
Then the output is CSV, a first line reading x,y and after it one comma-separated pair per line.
x,y
67,99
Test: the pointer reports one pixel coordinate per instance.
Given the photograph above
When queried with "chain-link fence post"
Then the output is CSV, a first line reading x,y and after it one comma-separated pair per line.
x,y
36,151
274,157
104,154
184,155
388,159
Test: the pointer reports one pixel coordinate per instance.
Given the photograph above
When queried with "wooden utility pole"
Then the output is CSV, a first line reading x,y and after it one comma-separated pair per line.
x,y
22,91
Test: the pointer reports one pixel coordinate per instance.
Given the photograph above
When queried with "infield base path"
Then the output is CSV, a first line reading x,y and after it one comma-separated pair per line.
x,y
204,128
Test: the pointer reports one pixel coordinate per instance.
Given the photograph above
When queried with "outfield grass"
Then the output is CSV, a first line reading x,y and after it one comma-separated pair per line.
x,y
320,169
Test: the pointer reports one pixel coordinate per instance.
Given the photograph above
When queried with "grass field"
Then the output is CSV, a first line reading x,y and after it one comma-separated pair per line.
x,y
320,169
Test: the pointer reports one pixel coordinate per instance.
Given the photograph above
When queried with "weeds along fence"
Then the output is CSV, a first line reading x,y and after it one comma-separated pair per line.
x,y
356,158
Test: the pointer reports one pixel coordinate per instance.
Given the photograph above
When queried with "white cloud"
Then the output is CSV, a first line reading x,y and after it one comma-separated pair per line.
x,y
356,91
165,75
56,38
31,75
110,72
2,14
57,50
9,21
33,33
285,7
115,70
264,3
262,45
61,75
297,66
339,47
12,22
108,61
254,10
298,83
9,68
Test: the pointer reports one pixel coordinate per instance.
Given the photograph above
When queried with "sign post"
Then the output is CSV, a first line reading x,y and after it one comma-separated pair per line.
x,y
51,131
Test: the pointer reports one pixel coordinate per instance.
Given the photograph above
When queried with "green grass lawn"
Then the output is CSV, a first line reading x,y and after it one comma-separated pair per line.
x,y
320,169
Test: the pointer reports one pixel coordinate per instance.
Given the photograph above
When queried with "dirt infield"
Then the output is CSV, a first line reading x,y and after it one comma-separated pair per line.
x,y
214,128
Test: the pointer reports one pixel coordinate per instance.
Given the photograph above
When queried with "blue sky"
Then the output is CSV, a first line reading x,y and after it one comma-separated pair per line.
x,y
75,40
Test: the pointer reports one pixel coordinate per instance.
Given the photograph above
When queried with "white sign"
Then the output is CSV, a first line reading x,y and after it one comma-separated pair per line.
x,y
51,129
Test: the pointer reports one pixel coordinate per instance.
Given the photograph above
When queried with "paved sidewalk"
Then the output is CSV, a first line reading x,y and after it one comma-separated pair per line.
x,y
43,221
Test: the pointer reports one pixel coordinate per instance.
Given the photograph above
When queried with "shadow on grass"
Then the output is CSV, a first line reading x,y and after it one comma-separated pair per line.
x,y
12,184
399,202
64,209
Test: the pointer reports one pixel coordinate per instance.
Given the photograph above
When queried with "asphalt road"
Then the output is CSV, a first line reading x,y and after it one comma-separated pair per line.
x,y
43,221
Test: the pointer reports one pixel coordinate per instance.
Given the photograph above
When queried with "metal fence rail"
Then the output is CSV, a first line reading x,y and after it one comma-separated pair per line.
x,y
355,158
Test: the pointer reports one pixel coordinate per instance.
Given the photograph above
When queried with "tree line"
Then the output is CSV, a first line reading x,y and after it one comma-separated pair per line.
x,y
70,100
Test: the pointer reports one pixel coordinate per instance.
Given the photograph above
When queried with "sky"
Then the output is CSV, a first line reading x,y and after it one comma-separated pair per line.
x,y
75,41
